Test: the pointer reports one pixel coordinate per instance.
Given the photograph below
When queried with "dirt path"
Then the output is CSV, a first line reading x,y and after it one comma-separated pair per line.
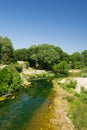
x,y
61,120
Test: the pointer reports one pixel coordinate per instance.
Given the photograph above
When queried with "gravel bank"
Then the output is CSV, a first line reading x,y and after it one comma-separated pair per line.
x,y
81,82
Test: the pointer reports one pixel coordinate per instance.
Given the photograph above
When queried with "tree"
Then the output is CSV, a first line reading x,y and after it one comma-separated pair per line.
x,y
61,69
7,51
32,55
75,60
45,55
84,56
21,54
1,47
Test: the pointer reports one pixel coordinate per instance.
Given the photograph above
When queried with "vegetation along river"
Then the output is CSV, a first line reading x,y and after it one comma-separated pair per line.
x,y
28,109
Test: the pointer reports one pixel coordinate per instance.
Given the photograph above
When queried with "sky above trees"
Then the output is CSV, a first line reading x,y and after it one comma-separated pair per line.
x,y
59,22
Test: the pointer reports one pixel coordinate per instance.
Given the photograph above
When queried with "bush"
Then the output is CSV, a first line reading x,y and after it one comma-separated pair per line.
x,y
18,67
27,64
6,75
10,80
16,81
83,95
69,85
78,110
84,75
61,69
84,72
3,88
79,115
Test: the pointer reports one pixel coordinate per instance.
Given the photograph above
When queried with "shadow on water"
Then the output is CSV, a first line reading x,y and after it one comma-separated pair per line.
x,y
19,108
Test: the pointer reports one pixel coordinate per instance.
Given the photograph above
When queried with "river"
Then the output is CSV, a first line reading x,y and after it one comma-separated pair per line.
x,y
29,108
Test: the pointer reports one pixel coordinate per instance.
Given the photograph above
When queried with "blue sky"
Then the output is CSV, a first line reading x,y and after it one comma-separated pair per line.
x,y
59,22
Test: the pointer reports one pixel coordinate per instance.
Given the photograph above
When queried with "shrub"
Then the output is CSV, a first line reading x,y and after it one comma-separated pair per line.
x,y
6,75
18,67
78,110
69,85
79,115
10,80
27,64
3,88
16,81
84,75
61,69
84,72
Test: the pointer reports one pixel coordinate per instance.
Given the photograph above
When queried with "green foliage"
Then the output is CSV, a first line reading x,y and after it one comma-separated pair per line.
x,y
6,50
27,64
16,81
75,60
84,72
18,67
47,75
77,65
84,75
83,96
21,54
32,55
44,55
78,73
78,111
78,108
10,80
55,68
84,56
78,114
6,75
61,69
4,88
69,85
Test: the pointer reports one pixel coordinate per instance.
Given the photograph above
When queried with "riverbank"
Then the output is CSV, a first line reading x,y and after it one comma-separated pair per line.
x,y
27,75
34,74
61,107
80,82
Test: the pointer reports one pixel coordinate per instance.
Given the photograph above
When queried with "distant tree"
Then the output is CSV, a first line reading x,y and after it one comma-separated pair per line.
x,y
75,60
47,56
21,54
32,55
65,57
84,57
1,48
6,50
44,55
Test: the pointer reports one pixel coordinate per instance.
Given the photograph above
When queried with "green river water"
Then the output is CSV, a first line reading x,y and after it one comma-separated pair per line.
x,y
28,108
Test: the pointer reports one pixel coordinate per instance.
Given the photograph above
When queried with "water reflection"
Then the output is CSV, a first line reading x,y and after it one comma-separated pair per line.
x,y
15,112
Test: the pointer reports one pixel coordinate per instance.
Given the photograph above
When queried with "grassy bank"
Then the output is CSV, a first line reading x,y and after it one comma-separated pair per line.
x,y
77,111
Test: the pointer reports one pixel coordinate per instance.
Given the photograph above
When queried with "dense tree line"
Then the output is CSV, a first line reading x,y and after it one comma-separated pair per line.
x,y
43,56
